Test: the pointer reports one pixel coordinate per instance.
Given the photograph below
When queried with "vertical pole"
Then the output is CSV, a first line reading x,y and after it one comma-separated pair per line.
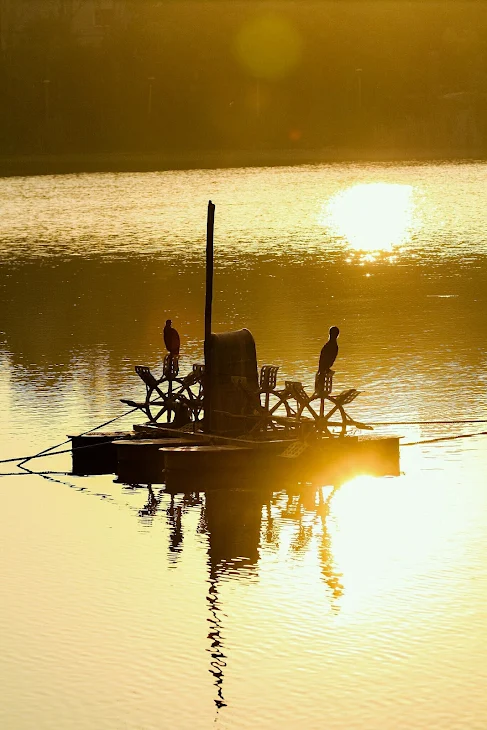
x,y
210,225
169,393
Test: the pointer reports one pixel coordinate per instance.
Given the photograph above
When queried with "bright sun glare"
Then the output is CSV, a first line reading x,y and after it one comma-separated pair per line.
x,y
372,216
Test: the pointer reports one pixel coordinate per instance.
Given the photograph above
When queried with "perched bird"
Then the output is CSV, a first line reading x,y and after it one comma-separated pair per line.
x,y
171,339
329,351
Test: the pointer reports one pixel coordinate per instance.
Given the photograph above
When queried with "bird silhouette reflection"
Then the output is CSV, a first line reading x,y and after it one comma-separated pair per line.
x,y
150,507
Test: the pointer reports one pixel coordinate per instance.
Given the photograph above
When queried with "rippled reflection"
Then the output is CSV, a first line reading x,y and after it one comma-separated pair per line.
x,y
244,528
372,216
304,552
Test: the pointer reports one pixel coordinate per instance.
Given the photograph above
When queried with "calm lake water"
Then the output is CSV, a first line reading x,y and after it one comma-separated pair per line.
x,y
356,607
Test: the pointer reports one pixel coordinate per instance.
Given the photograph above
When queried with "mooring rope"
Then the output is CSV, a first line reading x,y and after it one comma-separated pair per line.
x,y
46,452
426,423
255,416
28,472
64,451
446,438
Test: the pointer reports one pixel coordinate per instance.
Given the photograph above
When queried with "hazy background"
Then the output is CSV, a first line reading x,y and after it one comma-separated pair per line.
x,y
79,76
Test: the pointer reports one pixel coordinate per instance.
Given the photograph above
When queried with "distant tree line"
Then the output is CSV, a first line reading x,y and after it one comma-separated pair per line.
x,y
226,74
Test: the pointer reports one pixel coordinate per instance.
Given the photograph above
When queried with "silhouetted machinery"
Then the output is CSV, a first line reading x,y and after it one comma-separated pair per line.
x,y
241,401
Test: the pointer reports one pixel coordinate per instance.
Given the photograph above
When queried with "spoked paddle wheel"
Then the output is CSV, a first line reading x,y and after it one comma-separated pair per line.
x,y
292,411
171,400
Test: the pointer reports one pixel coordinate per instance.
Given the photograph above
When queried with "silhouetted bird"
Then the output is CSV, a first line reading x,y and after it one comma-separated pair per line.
x,y
329,351
171,339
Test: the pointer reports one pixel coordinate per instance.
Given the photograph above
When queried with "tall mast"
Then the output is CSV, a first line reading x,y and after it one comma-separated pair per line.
x,y
210,226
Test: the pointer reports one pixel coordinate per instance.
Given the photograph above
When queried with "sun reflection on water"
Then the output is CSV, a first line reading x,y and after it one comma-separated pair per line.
x,y
372,217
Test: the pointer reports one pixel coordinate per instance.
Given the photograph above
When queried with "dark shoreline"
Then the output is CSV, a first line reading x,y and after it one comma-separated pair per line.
x,y
58,164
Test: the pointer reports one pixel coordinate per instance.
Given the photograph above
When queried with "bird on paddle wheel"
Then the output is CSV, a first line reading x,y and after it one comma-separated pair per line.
x,y
171,339
329,351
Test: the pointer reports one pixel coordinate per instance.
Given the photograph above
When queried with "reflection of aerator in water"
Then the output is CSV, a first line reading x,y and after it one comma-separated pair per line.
x,y
233,520
325,551
150,508
174,518
233,523
297,504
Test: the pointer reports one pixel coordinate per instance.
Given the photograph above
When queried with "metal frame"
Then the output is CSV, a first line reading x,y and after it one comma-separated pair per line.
x,y
290,411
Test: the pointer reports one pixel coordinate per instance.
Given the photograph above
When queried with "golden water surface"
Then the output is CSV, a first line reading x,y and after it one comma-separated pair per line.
x,y
361,606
